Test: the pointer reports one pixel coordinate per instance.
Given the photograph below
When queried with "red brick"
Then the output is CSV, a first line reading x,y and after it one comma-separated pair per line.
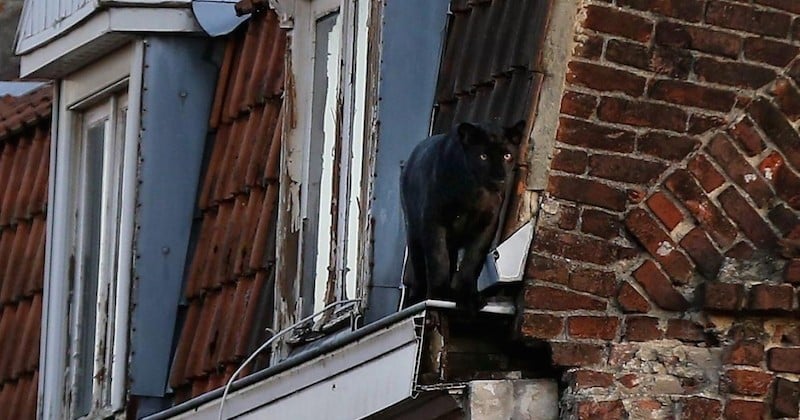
x,y
788,5
624,169
783,218
777,128
747,219
748,19
628,54
778,54
642,114
616,22
710,218
699,408
784,359
747,382
659,245
659,288
587,192
604,78
706,40
541,326
699,124
641,328
787,185
672,62
691,10
541,297
576,354
593,136
744,410
631,301
742,352
710,179
664,146
596,282
767,297
604,328
572,161
702,251
747,137
685,330
733,73
546,269
786,399
576,247
787,97
601,410
590,47
591,379
747,177
578,104
740,251
600,223
665,210
723,296
568,217
791,273
689,94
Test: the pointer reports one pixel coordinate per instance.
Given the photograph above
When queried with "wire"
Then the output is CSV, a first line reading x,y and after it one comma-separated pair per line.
x,y
268,342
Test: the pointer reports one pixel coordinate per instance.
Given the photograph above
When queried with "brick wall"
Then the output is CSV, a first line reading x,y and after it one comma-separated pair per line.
x,y
665,271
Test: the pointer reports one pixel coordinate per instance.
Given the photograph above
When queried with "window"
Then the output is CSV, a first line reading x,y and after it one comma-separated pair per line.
x,y
92,305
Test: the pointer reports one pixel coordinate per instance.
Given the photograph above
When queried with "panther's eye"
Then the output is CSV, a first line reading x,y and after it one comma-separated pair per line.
x,y
483,156
507,156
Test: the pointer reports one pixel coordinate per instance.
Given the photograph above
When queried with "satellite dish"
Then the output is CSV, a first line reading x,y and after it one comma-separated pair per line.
x,y
217,17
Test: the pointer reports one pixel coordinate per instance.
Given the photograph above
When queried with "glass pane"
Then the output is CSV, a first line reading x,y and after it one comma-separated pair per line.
x,y
90,253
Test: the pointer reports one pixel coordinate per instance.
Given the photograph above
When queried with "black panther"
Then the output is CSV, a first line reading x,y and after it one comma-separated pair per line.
x,y
452,188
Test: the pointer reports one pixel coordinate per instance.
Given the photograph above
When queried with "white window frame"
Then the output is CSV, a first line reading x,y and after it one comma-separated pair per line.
x,y
100,90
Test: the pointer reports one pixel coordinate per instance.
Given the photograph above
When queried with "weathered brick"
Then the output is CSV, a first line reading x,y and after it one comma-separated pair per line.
x,y
699,123
744,410
767,297
572,161
789,334
748,220
659,245
593,136
624,169
600,223
546,269
600,327
746,136
665,210
628,54
630,300
783,218
601,410
541,297
659,288
787,97
777,128
576,354
791,273
778,54
676,35
541,326
590,47
591,379
733,73
685,330
788,5
711,219
699,408
617,22
710,179
642,328
702,251
691,10
723,296
690,94
665,146
795,29
576,247
587,191
746,18
787,185
568,217
784,359
605,79
740,251
747,177
747,382
744,352
673,62
596,282
578,104
786,399
642,114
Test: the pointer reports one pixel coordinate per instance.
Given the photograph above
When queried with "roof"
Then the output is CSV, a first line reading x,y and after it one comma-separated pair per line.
x,y
229,283
24,165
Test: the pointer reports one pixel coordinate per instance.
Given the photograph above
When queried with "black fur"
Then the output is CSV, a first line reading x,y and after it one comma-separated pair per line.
x,y
452,189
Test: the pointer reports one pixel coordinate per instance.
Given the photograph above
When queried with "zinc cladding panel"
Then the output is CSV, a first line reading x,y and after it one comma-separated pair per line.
x,y
24,164
230,278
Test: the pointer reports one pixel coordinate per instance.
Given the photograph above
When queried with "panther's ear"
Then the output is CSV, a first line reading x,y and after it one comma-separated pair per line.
x,y
515,132
467,133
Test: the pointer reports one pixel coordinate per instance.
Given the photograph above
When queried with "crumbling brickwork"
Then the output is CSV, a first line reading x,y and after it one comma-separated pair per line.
x,y
665,271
